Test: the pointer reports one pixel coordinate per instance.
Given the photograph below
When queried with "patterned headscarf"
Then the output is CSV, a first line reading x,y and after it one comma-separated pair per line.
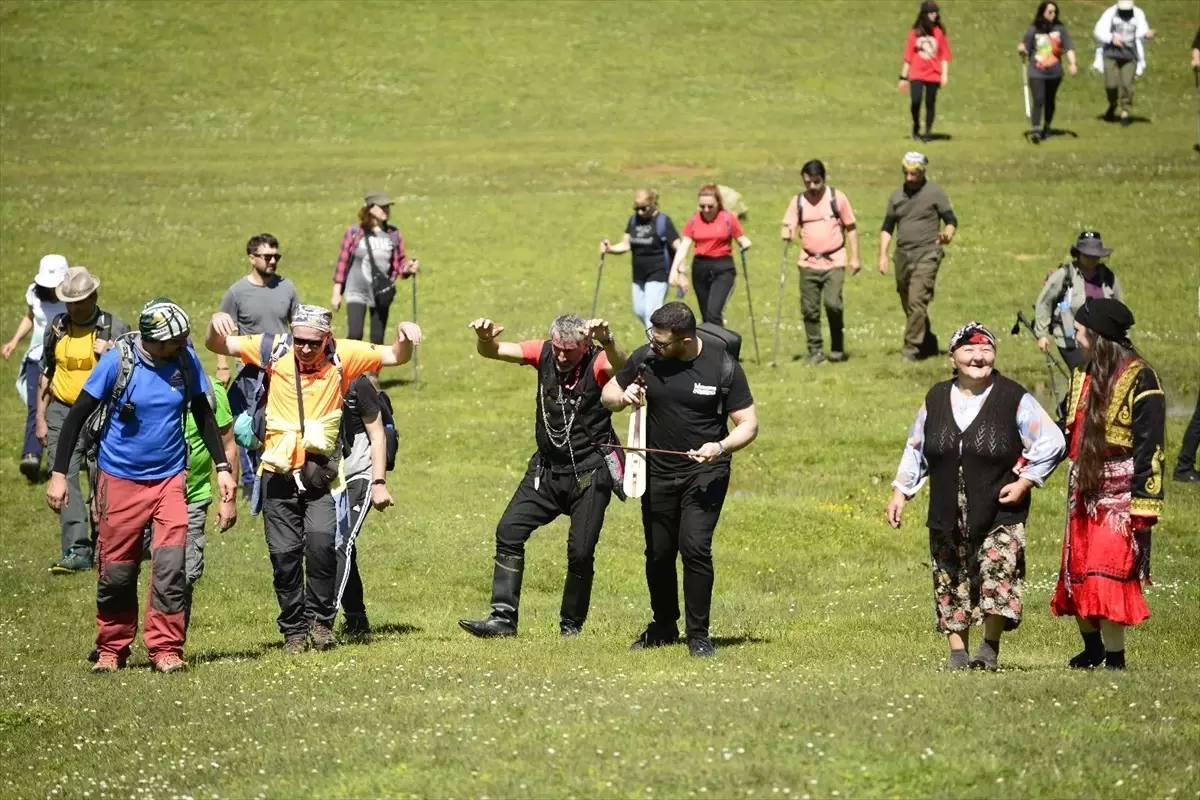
x,y
915,161
161,320
315,317
971,333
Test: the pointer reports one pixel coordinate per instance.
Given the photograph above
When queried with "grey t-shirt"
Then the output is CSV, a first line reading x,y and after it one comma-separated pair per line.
x,y
358,279
918,216
261,309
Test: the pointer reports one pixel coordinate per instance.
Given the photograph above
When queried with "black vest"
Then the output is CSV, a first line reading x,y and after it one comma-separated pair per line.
x,y
593,422
990,448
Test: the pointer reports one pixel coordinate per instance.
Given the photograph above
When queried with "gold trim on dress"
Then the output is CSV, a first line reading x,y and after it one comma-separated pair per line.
x,y
1154,482
1145,507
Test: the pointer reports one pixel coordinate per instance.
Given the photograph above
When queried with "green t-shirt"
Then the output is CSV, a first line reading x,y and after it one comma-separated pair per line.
x,y
199,480
918,216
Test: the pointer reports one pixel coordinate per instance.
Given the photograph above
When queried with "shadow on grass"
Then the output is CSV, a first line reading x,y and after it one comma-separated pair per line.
x,y
393,382
246,654
1054,133
395,629
1115,119
736,641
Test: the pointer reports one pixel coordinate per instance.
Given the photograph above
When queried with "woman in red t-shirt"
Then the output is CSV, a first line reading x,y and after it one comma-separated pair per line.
x,y
712,229
926,65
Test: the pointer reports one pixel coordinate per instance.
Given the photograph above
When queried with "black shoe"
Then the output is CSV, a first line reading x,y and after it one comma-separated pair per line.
x,y
701,647
926,137
837,356
568,629
31,467
356,624
1188,476
576,598
916,137
506,599
1035,137
1110,115
490,628
1046,134
655,636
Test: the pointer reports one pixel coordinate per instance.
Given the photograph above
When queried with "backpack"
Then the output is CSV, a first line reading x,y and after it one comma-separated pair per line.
x,y
98,421
58,329
730,344
391,435
250,427
833,208
660,230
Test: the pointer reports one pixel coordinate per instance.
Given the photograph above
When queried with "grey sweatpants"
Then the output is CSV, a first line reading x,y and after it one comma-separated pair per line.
x,y
1118,82
73,519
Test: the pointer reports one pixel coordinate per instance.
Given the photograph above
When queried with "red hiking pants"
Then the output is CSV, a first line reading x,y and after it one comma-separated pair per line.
x,y
125,507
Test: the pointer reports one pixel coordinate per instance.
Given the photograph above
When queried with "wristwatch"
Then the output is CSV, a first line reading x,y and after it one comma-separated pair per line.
x,y
225,467
903,78
722,446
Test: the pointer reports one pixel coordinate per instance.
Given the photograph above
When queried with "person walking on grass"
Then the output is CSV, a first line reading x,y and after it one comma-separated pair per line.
x,y
825,222
1116,415
651,238
366,461
299,465
41,306
571,473
261,302
1066,290
142,389
370,261
713,230
926,67
1121,32
1045,44
690,386
982,442
75,340
915,213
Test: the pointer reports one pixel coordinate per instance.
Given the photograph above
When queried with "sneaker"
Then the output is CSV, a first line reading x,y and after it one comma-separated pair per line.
x,y
322,636
31,467
837,356
1126,120
356,624
105,662
168,664
1188,476
1035,137
916,136
122,658
701,647
295,644
71,563
569,628
654,636
926,137
816,357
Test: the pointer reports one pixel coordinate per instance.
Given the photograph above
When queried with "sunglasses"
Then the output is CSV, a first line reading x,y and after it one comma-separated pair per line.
x,y
269,256
642,208
311,344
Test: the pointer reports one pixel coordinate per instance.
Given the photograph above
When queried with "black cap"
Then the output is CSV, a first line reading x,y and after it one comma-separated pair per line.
x,y
1110,318
928,6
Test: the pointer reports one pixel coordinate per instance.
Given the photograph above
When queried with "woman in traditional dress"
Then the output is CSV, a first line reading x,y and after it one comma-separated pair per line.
x,y
1116,412
982,442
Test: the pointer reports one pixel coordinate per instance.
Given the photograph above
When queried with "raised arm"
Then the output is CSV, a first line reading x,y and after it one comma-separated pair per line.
x,y
408,335
217,337
488,346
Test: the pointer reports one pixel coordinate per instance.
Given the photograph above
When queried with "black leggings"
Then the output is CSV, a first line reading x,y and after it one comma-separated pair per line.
x,y
713,279
356,314
1043,91
917,89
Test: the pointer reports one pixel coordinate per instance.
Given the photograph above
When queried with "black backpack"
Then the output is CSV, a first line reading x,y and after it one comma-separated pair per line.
x,y
730,344
390,433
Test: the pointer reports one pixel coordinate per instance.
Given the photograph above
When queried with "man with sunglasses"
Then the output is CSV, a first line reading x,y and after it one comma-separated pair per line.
x,y
143,388
690,386
568,475
299,461
260,302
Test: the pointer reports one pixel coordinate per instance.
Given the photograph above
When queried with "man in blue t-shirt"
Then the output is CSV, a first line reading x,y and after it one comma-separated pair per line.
x,y
143,459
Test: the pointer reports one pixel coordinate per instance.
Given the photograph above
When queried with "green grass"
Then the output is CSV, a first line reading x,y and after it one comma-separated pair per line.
x,y
149,140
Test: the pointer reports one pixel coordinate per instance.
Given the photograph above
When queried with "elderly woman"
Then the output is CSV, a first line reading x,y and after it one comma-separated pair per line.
x,y
651,236
712,230
982,442
1116,413
1066,290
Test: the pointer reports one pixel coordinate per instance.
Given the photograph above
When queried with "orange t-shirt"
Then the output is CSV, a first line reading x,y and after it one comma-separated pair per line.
x,y
323,394
821,231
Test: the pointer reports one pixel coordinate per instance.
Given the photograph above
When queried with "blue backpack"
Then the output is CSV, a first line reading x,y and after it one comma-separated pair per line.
x,y
660,230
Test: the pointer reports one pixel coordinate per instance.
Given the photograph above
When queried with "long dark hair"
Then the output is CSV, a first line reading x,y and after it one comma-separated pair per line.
x,y
44,293
1108,357
924,26
1039,19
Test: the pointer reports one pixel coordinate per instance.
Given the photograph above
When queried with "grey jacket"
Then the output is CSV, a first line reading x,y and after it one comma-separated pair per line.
x,y
1066,284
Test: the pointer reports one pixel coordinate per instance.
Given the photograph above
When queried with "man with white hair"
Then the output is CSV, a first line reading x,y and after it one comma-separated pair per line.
x,y
572,473
299,467
915,213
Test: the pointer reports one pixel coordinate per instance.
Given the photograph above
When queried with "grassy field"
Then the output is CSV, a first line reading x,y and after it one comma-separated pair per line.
x,y
148,141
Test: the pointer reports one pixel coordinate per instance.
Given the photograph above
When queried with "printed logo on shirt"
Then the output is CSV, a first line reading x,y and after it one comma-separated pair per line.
x,y
176,381
927,47
706,391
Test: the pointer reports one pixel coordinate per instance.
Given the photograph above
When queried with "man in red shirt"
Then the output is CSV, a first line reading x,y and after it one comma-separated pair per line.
x,y
571,473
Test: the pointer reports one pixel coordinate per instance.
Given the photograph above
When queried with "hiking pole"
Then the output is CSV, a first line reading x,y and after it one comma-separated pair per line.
x,y
596,294
750,303
1196,78
779,308
416,349
1025,88
1052,364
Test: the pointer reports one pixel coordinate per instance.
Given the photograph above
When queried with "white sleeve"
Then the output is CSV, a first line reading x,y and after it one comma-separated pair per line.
x,y
1102,33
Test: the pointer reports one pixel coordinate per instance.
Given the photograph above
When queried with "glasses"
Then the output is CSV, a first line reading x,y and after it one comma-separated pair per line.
x,y
1090,235
642,208
707,206
269,256
311,344
658,346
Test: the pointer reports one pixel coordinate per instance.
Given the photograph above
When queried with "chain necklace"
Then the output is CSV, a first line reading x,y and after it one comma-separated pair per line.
x,y
560,437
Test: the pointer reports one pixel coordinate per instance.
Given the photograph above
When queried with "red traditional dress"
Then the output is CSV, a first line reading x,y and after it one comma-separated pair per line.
x,y
1103,561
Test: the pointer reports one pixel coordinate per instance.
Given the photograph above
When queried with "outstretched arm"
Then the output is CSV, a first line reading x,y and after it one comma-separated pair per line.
x,y
488,346
216,337
408,334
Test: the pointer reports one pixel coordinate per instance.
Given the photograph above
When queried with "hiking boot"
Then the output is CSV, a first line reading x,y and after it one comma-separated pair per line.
x,y
815,357
655,636
169,663
837,356
122,658
322,636
31,467
72,562
356,624
701,647
295,644
105,662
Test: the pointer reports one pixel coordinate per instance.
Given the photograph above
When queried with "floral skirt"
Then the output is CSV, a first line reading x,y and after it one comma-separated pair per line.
x,y
971,583
1099,573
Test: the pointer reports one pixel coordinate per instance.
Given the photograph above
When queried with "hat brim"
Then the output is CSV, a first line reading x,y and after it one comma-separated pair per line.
x,y
75,298
41,280
1102,252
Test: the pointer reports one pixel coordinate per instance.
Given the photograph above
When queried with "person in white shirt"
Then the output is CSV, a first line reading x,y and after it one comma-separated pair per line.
x,y
1121,54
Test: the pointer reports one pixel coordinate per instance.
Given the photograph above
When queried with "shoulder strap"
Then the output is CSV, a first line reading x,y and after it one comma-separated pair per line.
x,y
104,323
660,226
833,206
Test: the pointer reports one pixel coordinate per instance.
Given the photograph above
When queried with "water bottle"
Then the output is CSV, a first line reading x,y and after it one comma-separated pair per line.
x,y
1064,313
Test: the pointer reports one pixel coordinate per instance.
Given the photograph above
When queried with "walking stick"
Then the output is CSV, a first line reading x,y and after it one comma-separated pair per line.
x,y
750,303
1025,87
1196,78
416,349
779,308
596,294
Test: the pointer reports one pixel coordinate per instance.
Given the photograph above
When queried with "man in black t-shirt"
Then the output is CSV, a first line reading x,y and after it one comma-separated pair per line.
x,y
569,474
690,385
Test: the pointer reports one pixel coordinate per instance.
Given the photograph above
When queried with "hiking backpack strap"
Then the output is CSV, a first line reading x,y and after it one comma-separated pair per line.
x,y
833,208
97,423
660,230
104,323
728,363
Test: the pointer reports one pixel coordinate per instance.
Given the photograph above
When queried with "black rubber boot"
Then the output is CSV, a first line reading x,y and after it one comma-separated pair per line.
x,y
577,597
506,599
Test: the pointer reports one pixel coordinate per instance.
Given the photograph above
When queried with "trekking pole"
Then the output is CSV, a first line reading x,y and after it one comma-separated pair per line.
x,y
779,308
1196,78
596,294
750,303
416,349
1025,88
